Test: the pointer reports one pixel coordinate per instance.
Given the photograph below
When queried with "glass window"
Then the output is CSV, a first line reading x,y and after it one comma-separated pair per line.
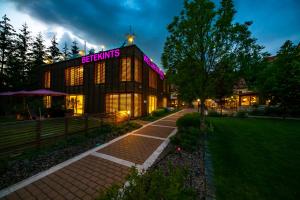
x,y
75,103
47,101
152,79
137,70
74,76
122,102
137,105
126,69
100,73
47,79
152,102
165,102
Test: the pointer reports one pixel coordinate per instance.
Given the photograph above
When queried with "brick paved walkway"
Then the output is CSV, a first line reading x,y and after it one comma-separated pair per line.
x,y
87,175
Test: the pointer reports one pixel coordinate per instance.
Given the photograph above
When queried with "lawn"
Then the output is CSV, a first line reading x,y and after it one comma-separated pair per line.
x,y
255,158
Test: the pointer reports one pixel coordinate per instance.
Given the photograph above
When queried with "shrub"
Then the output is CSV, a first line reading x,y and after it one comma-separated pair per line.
x,y
242,114
159,112
189,120
189,139
213,113
153,185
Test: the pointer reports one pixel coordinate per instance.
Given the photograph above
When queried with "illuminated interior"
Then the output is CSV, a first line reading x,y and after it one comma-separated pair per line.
x,y
152,79
126,69
47,101
100,73
74,76
164,102
137,70
47,79
152,102
137,105
75,103
249,100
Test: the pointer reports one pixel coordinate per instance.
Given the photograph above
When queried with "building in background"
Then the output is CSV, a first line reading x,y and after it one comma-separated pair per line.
x,y
122,79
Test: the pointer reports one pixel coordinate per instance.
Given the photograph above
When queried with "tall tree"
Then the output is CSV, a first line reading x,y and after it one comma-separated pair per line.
x,y
280,81
37,55
7,43
74,49
201,40
66,52
53,50
23,54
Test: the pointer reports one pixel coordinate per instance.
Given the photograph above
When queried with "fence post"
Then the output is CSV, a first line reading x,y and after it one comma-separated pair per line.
x,y
66,125
86,122
38,133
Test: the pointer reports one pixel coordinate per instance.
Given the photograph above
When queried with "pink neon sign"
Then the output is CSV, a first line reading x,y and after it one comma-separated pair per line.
x,y
114,53
154,67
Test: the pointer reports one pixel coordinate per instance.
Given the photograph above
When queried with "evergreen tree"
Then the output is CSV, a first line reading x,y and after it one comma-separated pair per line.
x,y
53,50
91,51
37,55
23,54
7,43
66,52
74,49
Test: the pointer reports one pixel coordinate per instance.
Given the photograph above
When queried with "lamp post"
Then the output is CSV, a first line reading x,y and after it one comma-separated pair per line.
x,y
198,104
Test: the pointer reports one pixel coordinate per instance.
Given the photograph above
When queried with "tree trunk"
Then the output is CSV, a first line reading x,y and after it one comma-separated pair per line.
x,y
202,114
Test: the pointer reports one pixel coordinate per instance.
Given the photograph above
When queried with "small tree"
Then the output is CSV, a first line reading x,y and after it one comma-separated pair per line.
x,y
74,49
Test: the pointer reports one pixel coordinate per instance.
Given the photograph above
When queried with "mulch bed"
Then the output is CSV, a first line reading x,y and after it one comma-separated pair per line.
x,y
191,161
18,169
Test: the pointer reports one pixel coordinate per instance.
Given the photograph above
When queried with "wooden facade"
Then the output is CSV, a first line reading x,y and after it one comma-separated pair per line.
x,y
95,90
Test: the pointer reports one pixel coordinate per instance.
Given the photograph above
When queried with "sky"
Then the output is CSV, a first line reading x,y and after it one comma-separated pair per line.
x,y
105,23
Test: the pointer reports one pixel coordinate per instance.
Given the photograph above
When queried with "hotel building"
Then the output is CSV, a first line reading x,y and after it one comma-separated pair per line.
x,y
122,79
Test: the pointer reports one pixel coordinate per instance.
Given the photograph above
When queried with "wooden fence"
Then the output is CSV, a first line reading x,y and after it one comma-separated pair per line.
x,y
20,135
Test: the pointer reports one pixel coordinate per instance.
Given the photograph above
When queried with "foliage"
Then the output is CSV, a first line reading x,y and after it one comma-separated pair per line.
x,y
189,120
66,53
159,112
153,185
205,49
53,50
280,81
255,158
213,113
189,134
74,49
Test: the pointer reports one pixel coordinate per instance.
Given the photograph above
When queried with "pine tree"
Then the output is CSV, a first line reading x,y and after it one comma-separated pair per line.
x,y
53,50
75,49
91,51
7,34
66,52
37,55
23,54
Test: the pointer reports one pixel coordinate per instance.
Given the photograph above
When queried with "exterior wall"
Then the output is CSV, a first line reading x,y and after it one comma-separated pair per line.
x,y
95,93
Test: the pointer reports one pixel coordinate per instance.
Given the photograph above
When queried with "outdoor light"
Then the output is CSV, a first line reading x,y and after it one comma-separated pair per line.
x,y
198,100
102,47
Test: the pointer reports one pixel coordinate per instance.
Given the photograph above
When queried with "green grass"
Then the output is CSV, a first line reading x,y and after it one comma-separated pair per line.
x,y
256,158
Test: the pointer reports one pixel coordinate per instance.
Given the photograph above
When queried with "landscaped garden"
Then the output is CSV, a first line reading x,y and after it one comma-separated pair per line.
x,y
255,158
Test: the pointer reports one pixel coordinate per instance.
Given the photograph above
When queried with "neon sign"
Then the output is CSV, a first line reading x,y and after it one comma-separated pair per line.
x,y
154,67
114,53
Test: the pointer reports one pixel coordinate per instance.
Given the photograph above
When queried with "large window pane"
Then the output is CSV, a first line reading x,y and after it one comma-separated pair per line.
x,y
100,73
126,69
74,76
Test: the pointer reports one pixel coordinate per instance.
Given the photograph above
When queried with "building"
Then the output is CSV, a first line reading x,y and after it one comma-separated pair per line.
x,y
122,79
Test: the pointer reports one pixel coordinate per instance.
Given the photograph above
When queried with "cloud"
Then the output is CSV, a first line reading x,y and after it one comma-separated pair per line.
x,y
107,22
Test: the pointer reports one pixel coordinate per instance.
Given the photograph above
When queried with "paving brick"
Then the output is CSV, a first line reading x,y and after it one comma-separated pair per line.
x,y
165,123
132,148
162,132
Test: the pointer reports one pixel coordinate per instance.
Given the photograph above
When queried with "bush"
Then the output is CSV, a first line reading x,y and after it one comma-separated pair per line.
x,y
188,139
242,114
213,113
189,120
153,185
159,112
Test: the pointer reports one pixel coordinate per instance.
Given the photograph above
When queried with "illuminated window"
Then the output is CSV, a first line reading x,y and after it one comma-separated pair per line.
x,y
137,105
75,103
126,69
151,103
74,76
47,101
137,70
118,102
47,79
100,73
125,102
152,79
164,102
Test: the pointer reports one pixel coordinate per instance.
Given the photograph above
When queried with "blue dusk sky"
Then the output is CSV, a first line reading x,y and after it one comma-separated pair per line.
x,y
104,23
